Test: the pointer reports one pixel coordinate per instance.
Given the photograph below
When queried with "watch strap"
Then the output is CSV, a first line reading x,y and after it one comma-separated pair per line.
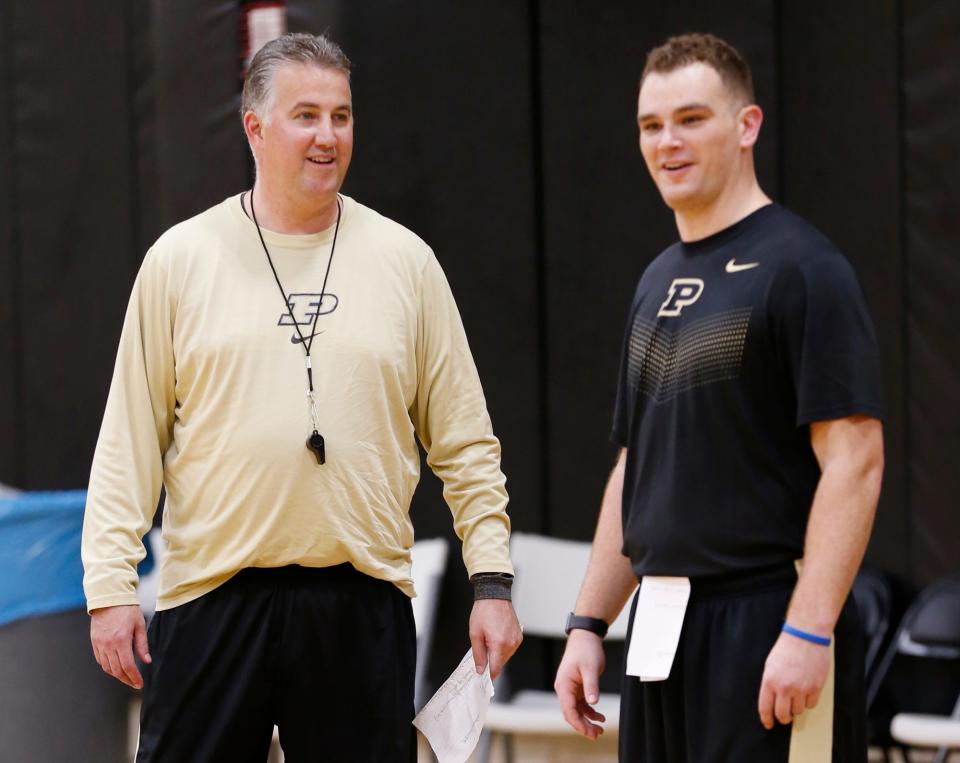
x,y
592,624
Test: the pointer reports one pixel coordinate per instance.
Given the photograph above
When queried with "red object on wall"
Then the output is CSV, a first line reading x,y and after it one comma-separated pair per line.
x,y
260,22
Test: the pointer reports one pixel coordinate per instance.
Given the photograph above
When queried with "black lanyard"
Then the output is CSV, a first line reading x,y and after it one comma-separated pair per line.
x,y
315,440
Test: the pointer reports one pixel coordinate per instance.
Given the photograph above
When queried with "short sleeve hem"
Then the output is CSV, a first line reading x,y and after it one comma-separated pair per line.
x,y
840,411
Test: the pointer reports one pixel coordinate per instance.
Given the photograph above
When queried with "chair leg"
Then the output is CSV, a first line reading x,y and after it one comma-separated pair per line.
x,y
942,753
485,746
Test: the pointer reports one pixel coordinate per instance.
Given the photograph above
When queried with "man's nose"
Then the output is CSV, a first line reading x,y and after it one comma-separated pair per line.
x,y
324,134
668,138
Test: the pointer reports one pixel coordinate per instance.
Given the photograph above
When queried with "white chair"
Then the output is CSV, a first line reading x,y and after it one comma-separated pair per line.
x,y
150,583
548,577
429,564
918,730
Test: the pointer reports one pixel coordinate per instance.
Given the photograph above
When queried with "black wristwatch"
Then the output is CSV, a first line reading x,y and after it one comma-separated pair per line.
x,y
592,624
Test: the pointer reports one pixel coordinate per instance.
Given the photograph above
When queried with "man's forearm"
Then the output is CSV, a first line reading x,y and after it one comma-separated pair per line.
x,y
609,579
839,527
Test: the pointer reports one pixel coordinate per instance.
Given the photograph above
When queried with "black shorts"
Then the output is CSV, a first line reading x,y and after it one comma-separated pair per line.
x,y
328,655
706,711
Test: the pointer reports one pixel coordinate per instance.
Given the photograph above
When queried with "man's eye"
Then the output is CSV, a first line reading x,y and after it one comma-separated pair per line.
x,y
650,127
692,119
305,115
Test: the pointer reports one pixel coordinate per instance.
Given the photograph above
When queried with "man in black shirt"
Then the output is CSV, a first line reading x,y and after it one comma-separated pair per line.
x,y
748,411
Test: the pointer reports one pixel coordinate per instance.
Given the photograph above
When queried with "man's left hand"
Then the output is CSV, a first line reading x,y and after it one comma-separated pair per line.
x,y
793,676
495,633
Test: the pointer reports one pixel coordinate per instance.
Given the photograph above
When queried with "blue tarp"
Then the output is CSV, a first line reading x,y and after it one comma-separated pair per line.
x,y
40,569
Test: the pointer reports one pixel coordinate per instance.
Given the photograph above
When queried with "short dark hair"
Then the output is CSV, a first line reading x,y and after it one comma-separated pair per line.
x,y
291,48
708,49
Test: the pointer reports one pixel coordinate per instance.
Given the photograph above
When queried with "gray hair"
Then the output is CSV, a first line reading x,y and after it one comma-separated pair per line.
x,y
291,48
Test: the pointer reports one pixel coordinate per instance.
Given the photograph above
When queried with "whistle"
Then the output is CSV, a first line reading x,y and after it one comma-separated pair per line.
x,y
315,444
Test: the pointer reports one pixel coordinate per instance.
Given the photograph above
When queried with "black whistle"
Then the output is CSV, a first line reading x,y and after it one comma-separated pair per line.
x,y
315,443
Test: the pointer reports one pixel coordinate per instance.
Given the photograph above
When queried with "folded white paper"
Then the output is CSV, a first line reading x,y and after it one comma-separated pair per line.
x,y
661,605
453,718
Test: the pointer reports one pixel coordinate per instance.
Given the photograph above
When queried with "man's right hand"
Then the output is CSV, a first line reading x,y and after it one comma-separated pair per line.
x,y
115,632
578,681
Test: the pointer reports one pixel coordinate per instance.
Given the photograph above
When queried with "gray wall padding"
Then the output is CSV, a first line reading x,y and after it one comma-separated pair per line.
x,y
56,705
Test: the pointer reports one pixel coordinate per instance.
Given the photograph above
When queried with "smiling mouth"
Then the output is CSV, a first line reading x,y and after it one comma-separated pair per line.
x,y
320,160
676,166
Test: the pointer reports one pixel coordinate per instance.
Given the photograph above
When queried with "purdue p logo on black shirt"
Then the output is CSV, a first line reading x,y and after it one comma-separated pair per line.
x,y
682,292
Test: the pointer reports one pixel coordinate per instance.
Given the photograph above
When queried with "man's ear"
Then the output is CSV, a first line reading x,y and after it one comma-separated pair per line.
x,y
253,128
749,120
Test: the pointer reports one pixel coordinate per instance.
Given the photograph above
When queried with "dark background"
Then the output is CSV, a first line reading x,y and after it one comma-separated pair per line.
x,y
503,133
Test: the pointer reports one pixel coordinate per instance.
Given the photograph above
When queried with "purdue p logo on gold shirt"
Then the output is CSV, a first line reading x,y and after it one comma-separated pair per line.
x,y
683,292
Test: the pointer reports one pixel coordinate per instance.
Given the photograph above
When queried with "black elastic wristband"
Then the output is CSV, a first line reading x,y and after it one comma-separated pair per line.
x,y
492,585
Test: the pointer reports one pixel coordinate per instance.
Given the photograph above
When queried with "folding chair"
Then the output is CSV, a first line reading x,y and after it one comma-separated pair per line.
x,y
930,635
873,594
429,565
549,574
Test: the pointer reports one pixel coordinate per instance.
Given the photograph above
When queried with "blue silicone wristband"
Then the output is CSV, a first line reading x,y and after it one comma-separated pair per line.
x,y
813,638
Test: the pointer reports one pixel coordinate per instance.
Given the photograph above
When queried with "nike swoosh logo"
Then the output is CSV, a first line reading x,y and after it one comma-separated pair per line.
x,y
295,339
733,267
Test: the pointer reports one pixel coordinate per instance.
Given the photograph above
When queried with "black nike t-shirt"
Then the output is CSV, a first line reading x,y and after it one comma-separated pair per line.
x,y
734,344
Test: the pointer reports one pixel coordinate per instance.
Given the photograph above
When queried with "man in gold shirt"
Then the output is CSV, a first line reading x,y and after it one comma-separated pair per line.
x,y
280,354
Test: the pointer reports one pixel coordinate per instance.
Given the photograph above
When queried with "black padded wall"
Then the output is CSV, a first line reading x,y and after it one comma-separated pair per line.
x,y
931,234
12,468
68,186
198,148
841,169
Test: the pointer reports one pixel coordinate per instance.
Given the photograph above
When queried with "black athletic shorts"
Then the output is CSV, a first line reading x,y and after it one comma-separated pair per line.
x,y
328,655
706,711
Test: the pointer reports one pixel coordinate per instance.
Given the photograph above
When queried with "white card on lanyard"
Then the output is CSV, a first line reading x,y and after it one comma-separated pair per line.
x,y
661,605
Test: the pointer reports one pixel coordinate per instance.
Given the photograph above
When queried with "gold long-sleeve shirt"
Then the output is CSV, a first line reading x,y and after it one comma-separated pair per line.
x,y
209,399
